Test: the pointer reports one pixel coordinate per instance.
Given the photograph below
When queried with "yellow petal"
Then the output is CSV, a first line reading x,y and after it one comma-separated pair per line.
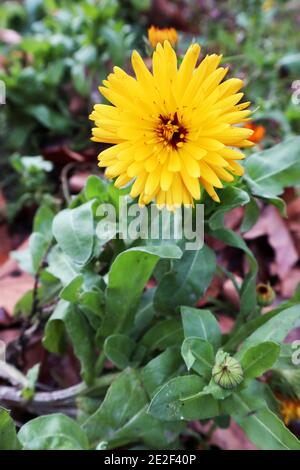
x,y
166,178
209,175
138,185
210,190
191,184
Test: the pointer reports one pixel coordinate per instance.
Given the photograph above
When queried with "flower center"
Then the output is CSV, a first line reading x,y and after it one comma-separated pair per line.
x,y
170,132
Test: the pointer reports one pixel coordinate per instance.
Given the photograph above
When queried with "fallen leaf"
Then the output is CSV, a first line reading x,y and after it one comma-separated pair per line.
x,y
10,36
77,181
276,229
226,324
289,283
13,283
234,218
232,438
230,292
213,291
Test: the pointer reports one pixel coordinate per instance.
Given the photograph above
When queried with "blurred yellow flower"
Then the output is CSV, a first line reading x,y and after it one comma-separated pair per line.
x,y
267,5
157,35
173,129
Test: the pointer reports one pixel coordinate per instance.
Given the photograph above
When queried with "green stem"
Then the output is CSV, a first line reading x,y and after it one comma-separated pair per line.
x,y
100,364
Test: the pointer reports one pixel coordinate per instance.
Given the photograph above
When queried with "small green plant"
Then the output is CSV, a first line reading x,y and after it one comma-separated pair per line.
x,y
29,184
50,73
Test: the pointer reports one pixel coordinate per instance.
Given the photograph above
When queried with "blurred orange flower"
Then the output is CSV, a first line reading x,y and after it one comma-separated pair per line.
x,y
290,410
259,132
157,35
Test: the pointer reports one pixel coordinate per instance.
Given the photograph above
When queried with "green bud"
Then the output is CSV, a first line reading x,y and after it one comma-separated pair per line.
x,y
264,294
227,371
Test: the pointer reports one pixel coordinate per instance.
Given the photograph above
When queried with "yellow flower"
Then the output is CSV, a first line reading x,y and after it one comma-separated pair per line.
x,y
174,129
157,35
267,5
290,410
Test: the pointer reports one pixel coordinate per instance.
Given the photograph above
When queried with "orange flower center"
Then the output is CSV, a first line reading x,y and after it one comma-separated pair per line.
x,y
171,132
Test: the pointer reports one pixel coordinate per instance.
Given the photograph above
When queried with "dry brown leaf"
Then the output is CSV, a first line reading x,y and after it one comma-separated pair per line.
x,y
290,282
276,229
10,36
78,180
226,323
230,292
232,438
234,218
13,283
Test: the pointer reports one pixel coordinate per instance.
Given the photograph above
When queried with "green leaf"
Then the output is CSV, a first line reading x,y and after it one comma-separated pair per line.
x,y
68,317
232,197
71,291
122,417
260,424
270,171
160,369
24,260
93,301
38,246
198,355
124,291
258,359
74,232
252,213
53,432
243,331
289,64
202,324
32,377
284,360
80,80
61,266
48,117
119,349
145,313
275,329
186,283
216,391
8,435
248,289
173,400
95,188
163,334
43,222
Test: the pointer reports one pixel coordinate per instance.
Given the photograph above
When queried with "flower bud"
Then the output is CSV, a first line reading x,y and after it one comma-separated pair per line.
x,y
264,294
227,372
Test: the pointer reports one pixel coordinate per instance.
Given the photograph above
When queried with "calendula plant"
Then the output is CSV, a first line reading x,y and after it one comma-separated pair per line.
x,y
152,363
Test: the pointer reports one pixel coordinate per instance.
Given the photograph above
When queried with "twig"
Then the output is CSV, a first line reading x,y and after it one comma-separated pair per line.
x,y
45,402
64,181
12,374
35,299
